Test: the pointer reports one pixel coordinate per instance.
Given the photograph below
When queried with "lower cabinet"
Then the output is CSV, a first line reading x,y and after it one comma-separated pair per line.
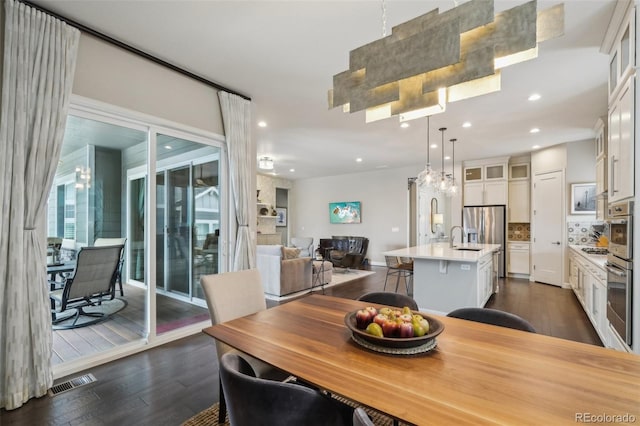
x,y
589,283
485,280
518,258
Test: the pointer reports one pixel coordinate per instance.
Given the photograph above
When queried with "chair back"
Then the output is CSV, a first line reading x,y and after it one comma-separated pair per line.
x,y
254,401
95,273
392,261
494,317
361,418
390,299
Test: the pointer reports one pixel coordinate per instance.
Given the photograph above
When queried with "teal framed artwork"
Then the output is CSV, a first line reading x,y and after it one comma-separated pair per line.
x,y
345,212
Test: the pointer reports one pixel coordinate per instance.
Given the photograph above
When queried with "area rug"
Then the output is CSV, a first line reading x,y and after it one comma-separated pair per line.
x,y
209,416
108,308
337,278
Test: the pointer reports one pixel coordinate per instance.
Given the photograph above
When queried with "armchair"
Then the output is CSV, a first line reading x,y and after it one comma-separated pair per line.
x,y
282,275
348,252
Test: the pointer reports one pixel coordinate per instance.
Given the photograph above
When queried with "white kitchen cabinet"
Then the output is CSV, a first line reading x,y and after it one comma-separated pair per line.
x,y
485,280
621,144
589,283
518,258
622,54
485,182
484,194
601,169
519,171
519,201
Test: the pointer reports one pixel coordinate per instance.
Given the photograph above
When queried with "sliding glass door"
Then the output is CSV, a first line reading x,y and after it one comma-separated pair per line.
x,y
187,222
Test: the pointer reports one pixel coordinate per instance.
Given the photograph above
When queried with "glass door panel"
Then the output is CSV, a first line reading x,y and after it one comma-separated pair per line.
x,y
135,263
187,228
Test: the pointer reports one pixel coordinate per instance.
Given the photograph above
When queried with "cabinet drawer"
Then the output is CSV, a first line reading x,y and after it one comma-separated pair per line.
x,y
517,246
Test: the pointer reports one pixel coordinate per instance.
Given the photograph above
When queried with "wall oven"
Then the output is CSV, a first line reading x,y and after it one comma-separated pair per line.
x,y
620,269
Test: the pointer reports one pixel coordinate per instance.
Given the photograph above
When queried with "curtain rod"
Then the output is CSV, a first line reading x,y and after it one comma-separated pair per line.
x,y
134,50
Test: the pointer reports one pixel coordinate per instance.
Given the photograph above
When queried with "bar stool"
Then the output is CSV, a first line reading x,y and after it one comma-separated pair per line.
x,y
399,267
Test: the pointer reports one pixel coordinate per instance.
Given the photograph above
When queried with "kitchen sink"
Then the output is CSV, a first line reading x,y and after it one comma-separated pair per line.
x,y
467,248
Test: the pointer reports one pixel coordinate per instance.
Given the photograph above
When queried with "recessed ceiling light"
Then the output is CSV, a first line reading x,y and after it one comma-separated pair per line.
x,y
535,147
434,145
404,125
292,170
534,97
358,160
534,130
447,157
466,124
167,147
262,124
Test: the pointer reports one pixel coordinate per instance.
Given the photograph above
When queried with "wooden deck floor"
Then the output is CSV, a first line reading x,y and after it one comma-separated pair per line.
x,y
126,326
170,383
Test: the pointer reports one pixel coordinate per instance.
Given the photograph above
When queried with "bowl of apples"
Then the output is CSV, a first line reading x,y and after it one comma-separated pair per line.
x,y
393,330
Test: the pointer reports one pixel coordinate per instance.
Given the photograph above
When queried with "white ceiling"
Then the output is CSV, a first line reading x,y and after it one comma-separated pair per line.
x,y
283,54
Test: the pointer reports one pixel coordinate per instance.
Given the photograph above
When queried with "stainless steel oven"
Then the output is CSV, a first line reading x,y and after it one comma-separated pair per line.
x,y
621,229
620,269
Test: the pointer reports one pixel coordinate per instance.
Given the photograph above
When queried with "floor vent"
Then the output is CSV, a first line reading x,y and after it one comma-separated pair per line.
x,y
71,384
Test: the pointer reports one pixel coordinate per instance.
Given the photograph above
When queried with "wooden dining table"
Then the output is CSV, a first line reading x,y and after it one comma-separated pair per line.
x,y
477,374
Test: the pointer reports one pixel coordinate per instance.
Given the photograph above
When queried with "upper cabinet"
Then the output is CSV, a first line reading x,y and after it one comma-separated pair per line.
x,y
621,143
620,42
519,193
602,149
622,54
485,182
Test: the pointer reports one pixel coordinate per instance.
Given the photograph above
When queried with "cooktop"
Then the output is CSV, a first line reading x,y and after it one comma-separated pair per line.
x,y
595,250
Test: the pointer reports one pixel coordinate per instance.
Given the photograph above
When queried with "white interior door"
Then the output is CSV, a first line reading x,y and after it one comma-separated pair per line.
x,y
548,224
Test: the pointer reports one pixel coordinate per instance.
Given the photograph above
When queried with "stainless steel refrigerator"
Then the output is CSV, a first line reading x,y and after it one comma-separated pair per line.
x,y
486,225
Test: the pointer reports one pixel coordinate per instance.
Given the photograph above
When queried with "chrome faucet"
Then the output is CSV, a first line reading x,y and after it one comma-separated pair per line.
x,y
451,237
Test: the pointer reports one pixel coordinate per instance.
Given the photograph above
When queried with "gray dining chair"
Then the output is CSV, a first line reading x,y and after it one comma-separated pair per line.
x,y
361,418
255,401
232,295
390,299
494,317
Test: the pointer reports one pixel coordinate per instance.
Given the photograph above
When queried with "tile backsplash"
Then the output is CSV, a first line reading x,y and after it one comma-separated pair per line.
x,y
584,232
519,232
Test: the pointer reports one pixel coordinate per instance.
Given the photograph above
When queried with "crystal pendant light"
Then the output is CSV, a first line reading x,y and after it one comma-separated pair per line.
x,y
427,176
453,185
443,185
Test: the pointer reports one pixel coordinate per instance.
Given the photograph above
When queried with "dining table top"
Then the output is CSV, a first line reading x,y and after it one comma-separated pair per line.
x,y
477,374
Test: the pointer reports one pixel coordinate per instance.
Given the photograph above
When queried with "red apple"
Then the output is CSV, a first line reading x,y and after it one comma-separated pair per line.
x,y
362,319
406,329
372,311
390,328
380,319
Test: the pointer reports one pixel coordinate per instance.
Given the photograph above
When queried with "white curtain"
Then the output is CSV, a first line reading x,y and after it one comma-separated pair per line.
x,y
236,116
39,63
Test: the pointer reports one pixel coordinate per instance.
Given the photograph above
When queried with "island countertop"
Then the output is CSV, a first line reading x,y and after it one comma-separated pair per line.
x,y
442,251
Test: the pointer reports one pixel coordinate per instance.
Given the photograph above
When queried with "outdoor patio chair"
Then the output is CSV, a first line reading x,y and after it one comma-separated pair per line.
x,y
92,280
100,242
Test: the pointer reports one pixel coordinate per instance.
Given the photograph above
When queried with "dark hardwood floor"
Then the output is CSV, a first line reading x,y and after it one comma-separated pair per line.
x,y
168,384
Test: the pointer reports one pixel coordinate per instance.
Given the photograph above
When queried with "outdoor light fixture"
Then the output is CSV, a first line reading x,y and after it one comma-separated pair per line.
x,y
441,57
265,163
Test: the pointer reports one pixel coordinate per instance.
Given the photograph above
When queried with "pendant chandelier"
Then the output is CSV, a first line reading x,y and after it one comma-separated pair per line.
x,y
427,176
453,185
443,183
438,58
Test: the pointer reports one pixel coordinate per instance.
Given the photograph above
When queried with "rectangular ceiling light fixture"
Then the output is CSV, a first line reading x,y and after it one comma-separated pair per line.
x,y
441,57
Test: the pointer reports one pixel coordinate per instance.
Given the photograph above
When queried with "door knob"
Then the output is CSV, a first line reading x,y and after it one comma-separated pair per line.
x,y
557,243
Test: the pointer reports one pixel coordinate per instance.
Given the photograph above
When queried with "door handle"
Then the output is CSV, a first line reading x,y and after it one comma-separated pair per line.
x,y
557,243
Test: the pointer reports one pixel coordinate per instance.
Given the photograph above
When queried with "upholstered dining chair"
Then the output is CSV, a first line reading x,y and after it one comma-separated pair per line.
x,y
232,295
390,299
92,280
399,269
494,317
256,401
99,242
361,418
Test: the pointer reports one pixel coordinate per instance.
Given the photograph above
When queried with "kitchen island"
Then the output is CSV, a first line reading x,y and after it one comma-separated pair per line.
x,y
446,278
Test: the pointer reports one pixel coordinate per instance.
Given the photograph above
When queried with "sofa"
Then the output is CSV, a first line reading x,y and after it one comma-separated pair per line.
x,y
345,251
282,270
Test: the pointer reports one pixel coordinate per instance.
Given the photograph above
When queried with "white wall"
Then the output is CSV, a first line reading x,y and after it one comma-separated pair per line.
x,y
385,200
110,74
